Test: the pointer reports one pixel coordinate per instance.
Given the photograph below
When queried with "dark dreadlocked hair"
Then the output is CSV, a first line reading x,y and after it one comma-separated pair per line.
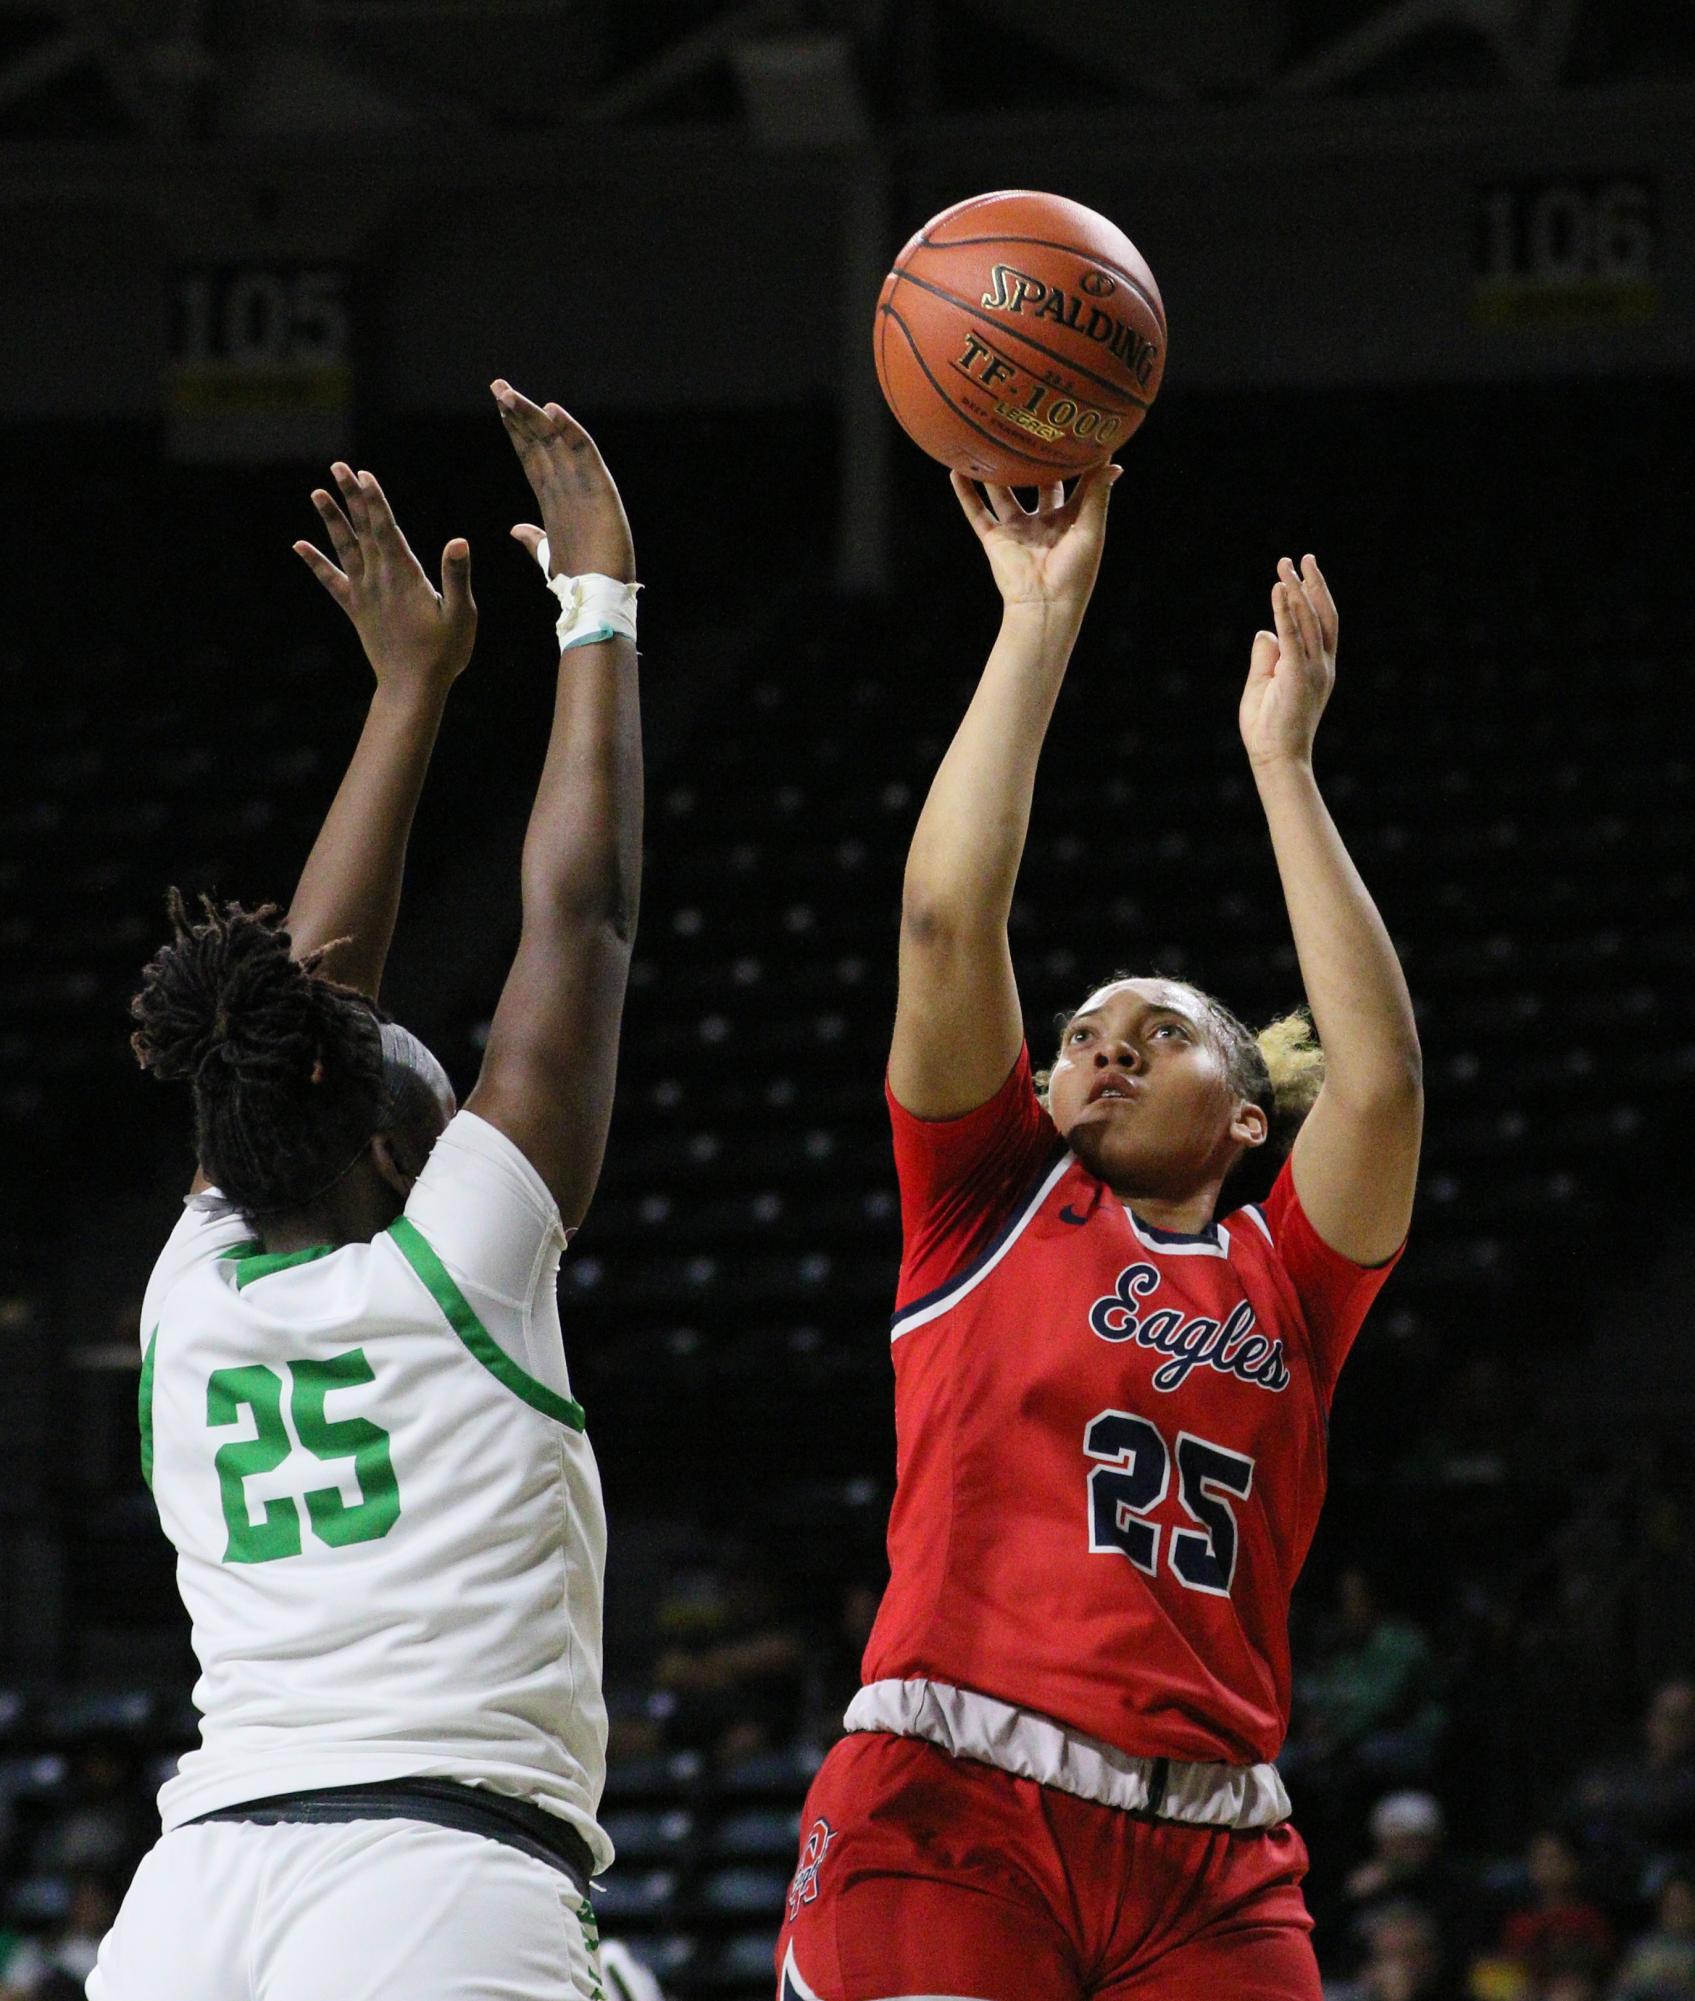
x,y
286,1065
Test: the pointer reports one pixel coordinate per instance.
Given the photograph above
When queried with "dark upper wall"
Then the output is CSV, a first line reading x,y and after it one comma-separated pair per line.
x,y
1297,241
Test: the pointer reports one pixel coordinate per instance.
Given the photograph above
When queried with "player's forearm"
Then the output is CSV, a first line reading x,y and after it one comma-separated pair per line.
x,y
582,851
350,886
963,863
1353,979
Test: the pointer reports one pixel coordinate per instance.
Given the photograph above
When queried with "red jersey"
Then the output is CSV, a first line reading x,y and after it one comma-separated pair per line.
x,y
1111,1439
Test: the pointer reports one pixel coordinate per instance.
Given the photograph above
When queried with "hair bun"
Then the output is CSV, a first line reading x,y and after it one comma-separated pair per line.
x,y
1294,1060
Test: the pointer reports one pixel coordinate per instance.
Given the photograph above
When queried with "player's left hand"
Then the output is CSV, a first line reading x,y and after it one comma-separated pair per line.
x,y
1292,670
581,515
416,637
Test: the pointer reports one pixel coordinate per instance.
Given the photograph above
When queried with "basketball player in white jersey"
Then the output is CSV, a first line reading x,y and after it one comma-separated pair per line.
x,y
356,1417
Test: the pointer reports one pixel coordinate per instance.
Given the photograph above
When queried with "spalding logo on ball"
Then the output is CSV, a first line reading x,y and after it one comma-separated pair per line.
x,y
1020,338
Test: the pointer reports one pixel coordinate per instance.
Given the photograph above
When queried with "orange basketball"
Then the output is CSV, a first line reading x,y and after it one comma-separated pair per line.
x,y
1020,338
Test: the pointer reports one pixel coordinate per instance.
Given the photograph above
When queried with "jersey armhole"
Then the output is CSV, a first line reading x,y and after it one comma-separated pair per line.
x,y
461,1316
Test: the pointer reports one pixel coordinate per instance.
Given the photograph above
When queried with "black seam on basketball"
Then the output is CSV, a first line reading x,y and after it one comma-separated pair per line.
x,y
882,348
1002,445
1144,404
1046,243
961,208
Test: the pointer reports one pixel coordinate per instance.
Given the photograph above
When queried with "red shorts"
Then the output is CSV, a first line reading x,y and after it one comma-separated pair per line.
x,y
929,1876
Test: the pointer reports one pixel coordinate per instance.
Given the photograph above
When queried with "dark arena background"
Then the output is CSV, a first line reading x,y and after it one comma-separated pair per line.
x,y
1430,274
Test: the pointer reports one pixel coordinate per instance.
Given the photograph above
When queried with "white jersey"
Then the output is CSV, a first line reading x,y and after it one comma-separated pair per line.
x,y
388,1520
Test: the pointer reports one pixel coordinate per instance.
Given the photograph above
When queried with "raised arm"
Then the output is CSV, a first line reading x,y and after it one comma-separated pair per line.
x,y
418,642
547,1074
1356,1158
958,1024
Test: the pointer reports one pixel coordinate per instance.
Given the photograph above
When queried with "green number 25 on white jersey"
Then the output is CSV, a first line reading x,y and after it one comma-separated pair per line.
x,y
259,1388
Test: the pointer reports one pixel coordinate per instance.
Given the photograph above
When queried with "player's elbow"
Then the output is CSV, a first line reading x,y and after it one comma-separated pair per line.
x,y
603,901
1402,1066
937,920
1389,1088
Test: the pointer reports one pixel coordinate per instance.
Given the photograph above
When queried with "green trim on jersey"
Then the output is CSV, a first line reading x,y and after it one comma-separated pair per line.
x,y
591,1938
247,1268
144,1409
249,1247
462,1318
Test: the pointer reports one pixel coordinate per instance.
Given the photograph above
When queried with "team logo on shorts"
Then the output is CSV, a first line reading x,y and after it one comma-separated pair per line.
x,y
804,1888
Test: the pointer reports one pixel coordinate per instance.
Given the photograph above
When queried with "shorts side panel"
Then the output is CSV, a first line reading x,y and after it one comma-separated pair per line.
x,y
911,1883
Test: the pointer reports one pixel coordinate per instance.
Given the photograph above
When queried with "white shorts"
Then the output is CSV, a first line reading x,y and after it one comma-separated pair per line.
x,y
367,1910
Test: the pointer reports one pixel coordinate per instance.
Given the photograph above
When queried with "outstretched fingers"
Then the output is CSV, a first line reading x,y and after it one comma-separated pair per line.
x,y
1262,661
1303,620
970,502
1006,504
352,497
1289,644
1089,495
549,440
381,525
1318,591
526,425
343,538
457,601
566,428
530,423
327,574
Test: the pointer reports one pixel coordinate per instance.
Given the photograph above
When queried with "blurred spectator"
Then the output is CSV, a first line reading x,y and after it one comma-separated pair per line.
x,y
108,1828
834,1675
1478,1434
1563,1930
1405,1959
40,1968
1407,1865
732,1679
1370,1702
1660,1965
1642,1807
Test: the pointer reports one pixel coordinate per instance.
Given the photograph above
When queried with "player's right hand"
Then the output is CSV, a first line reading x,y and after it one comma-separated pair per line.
x,y
1047,555
582,516
415,637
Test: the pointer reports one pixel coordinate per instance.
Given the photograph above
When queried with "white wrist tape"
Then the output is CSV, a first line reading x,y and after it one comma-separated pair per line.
x,y
591,607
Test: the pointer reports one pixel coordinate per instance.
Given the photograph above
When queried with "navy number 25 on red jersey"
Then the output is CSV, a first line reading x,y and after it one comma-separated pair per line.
x,y
1111,1440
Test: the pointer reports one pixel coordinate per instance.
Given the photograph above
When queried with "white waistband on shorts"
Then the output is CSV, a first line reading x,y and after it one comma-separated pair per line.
x,y
1029,1746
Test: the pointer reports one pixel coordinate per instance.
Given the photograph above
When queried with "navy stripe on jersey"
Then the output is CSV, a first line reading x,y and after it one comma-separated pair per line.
x,y
794,1988
1017,1217
1207,1236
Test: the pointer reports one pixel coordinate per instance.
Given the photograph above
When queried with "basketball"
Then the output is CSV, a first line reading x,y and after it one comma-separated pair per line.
x,y
1020,338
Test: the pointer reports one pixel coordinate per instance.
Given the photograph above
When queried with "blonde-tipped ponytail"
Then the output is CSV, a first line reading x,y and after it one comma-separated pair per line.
x,y
1294,1062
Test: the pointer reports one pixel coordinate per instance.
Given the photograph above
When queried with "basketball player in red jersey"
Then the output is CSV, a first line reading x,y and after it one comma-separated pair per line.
x,y
1111,1387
